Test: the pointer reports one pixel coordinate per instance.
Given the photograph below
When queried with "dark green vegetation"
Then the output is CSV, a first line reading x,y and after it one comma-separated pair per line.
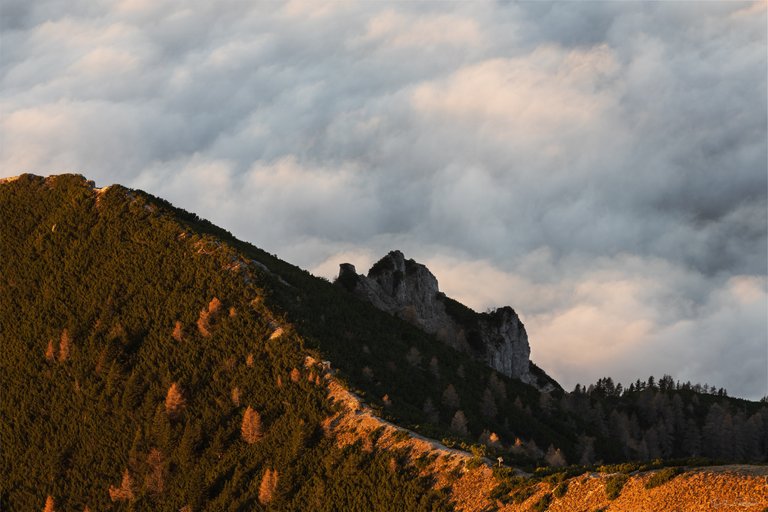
x,y
110,276
662,477
105,281
542,504
614,485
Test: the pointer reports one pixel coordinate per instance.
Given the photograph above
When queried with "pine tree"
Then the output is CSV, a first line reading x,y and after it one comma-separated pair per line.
x,y
586,448
459,423
50,354
203,323
251,426
49,505
214,306
554,457
154,481
268,486
64,346
125,491
189,444
450,397
174,401
712,433
413,357
691,439
206,315
236,395
178,331
498,387
488,406
430,412
434,367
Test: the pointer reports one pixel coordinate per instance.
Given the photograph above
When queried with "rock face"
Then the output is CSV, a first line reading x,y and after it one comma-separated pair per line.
x,y
409,290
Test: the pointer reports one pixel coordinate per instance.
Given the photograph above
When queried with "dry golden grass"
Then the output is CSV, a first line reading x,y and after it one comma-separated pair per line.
x,y
726,488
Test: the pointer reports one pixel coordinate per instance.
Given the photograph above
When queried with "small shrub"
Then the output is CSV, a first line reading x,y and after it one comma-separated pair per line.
x,y
560,490
422,462
505,487
542,504
502,472
662,477
474,462
376,434
614,485
626,468
448,442
400,436
523,494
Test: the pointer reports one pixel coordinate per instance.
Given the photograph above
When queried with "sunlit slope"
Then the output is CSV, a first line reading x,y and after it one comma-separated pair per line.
x,y
132,350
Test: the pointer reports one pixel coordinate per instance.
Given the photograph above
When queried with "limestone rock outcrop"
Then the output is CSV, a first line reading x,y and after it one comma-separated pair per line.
x,y
409,290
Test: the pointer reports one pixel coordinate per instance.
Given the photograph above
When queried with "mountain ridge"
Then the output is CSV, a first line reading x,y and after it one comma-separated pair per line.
x,y
409,290
112,299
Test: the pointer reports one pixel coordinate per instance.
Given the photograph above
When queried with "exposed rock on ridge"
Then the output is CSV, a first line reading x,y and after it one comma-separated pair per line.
x,y
409,290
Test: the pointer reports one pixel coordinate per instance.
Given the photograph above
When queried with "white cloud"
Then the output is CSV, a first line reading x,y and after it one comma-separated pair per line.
x,y
601,167
402,31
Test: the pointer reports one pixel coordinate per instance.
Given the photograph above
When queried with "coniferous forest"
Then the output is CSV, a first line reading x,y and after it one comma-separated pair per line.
x,y
151,361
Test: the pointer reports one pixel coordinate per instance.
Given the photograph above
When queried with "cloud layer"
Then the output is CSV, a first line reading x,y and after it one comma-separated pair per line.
x,y
599,166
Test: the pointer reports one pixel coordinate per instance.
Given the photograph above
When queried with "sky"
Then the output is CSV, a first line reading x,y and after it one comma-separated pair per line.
x,y
599,166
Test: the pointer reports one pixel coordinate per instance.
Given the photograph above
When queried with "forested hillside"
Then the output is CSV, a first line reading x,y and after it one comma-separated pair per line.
x,y
152,361
141,372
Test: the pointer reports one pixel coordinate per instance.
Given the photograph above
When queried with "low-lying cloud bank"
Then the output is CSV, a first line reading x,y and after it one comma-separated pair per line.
x,y
599,166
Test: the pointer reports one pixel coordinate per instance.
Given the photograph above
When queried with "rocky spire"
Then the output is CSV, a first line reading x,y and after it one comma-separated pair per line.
x,y
408,290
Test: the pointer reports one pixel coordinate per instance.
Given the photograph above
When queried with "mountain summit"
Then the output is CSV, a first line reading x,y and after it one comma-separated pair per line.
x,y
408,290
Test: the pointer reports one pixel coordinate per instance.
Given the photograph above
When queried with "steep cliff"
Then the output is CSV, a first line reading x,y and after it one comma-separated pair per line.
x,y
408,290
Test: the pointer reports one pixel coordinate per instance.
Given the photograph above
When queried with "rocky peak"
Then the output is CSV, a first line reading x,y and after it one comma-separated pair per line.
x,y
407,289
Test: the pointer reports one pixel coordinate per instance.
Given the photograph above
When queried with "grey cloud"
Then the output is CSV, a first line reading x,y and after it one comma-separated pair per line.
x,y
543,139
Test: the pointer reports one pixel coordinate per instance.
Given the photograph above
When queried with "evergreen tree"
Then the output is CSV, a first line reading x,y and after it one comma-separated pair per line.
x,y
174,401
268,486
250,428
434,368
430,411
125,491
64,345
555,457
450,397
691,444
459,423
154,481
178,331
49,352
488,406
413,357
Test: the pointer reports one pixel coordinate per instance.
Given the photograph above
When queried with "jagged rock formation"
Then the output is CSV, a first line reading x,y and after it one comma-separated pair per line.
x,y
408,289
